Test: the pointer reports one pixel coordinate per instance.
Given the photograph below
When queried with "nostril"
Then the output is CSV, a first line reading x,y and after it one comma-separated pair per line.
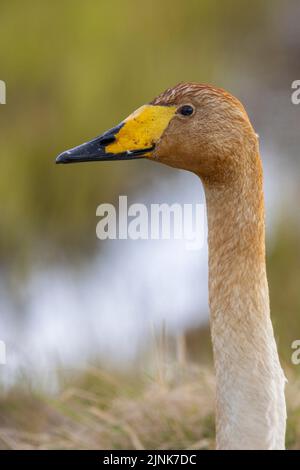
x,y
106,140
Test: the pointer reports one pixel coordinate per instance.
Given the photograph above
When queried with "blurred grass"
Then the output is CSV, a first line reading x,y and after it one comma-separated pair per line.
x,y
100,410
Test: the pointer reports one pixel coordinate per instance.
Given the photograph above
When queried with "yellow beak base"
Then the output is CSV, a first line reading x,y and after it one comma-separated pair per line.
x,y
142,129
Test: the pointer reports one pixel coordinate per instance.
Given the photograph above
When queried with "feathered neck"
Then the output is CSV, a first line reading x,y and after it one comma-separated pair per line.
x,y
250,401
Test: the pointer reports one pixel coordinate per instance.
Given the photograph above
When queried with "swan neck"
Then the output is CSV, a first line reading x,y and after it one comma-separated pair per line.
x,y
250,382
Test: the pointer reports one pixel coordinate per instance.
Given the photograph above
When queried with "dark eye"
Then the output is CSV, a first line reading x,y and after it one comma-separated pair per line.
x,y
186,110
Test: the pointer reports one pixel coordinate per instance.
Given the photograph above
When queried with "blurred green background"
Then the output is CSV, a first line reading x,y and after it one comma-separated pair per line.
x,y
76,68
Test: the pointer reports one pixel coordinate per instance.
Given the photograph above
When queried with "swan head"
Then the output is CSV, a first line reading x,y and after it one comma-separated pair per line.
x,y
191,126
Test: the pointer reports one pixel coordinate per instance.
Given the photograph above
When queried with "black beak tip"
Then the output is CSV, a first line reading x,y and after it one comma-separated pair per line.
x,y
62,158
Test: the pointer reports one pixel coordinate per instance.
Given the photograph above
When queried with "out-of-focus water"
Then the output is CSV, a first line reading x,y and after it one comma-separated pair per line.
x,y
112,308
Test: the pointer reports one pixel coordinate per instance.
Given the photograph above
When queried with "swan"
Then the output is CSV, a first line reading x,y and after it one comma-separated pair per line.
x,y
206,130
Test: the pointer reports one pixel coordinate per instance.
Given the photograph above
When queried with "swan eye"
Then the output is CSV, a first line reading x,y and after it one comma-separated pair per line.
x,y
186,110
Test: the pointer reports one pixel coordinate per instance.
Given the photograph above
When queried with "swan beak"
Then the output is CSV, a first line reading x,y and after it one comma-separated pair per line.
x,y
136,137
